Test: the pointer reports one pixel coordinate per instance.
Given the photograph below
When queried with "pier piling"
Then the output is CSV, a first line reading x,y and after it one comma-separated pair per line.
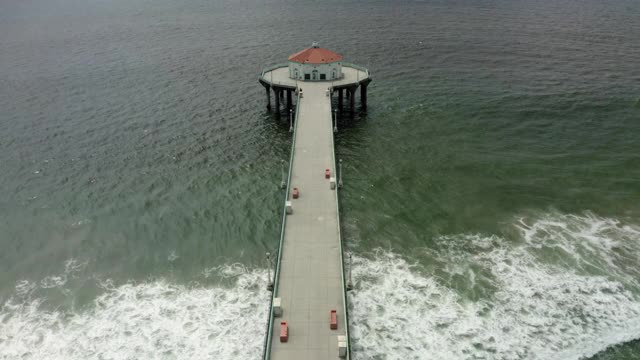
x,y
352,99
277,92
363,94
268,97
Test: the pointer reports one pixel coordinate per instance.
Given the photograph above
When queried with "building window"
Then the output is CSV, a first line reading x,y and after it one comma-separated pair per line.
x,y
323,76
307,76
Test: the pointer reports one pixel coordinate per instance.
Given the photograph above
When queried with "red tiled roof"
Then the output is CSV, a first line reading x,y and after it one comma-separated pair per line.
x,y
315,55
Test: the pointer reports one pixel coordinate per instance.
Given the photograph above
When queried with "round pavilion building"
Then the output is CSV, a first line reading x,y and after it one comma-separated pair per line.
x,y
315,64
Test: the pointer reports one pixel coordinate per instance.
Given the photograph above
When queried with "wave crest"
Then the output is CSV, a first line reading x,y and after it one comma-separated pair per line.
x,y
149,320
539,308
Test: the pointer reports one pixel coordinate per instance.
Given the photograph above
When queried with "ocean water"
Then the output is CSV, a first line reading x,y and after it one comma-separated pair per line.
x,y
492,187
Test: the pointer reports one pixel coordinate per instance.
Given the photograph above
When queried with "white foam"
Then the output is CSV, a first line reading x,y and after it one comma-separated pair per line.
x,y
79,223
173,256
537,310
603,243
72,268
153,320
399,310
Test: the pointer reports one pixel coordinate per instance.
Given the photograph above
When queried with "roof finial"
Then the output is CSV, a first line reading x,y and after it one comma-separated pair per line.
x,y
315,44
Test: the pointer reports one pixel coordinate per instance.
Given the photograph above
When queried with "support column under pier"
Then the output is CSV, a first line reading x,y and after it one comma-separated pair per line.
x,y
352,99
363,95
268,97
277,93
288,99
340,94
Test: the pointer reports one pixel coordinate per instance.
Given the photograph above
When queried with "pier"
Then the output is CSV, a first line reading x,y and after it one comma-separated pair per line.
x,y
309,284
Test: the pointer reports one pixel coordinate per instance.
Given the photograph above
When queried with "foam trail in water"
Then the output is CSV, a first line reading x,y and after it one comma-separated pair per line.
x,y
536,310
153,320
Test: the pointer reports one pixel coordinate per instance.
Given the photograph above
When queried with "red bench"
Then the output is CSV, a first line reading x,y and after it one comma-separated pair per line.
x,y
333,325
284,331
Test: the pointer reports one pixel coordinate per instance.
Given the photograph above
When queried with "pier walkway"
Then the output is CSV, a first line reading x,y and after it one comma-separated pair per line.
x,y
310,278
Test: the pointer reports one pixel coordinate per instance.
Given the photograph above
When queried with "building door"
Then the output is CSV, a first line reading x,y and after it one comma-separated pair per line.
x,y
333,74
314,75
307,76
323,76
295,74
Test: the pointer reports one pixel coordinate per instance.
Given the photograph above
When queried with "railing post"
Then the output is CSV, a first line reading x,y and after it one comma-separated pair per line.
x,y
349,282
340,173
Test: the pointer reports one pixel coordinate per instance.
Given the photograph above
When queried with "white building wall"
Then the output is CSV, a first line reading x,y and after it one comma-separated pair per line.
x,y
326,69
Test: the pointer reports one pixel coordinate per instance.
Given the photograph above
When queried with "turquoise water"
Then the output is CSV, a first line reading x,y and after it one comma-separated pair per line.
x,y
491,188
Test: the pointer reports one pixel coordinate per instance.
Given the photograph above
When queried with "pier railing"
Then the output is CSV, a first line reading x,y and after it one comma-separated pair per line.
x,y
274,294
344,286
272,67
357,67
277,66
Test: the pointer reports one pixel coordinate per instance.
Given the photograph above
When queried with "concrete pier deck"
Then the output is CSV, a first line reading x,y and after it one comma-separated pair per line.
x,y
311,282
310,278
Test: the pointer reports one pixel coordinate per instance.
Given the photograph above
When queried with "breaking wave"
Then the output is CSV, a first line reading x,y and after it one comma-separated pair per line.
x,y
150,320
565,289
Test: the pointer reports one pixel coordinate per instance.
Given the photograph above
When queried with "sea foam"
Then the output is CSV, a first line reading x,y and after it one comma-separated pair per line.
x,y
536,310
151,320
534,306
